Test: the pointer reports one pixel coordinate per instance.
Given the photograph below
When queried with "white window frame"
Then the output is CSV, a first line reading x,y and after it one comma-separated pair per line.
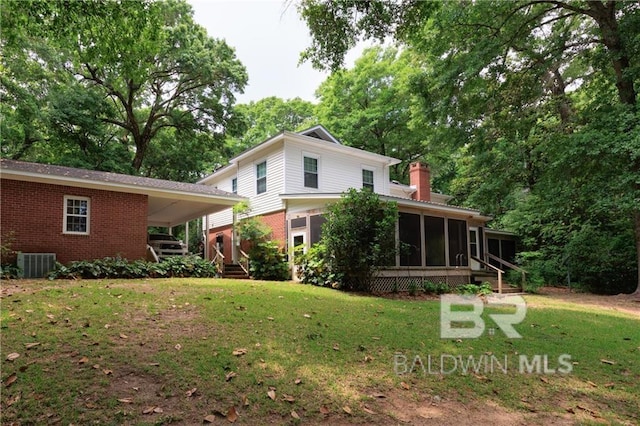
x,y
234,185
373,178
67,215
258,178
304,172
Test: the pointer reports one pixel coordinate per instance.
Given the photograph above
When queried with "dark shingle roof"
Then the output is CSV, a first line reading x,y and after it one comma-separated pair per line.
x,y
115,179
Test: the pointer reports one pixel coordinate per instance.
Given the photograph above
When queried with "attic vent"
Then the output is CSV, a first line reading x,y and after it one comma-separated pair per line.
x,y
36,265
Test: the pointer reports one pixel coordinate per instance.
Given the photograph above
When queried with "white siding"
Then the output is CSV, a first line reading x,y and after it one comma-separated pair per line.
x,y
269,201
337,172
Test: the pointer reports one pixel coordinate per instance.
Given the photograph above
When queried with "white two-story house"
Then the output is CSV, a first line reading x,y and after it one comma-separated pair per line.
x,y
290,178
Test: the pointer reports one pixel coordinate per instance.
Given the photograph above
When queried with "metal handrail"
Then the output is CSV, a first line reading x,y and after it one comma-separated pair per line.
x,y
244,262
509,265
218,260
498,270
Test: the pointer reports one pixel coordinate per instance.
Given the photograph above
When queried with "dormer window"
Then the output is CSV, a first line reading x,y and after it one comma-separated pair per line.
x,y
310,172
367,179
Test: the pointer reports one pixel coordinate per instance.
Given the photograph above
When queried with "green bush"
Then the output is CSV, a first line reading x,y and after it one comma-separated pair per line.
x,y
118,267
474,289
314,267
268,262
431,287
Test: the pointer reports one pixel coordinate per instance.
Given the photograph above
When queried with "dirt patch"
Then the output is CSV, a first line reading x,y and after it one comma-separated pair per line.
x,y
621,302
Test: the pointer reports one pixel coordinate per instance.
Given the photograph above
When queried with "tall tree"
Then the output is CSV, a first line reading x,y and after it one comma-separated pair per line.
x,y
372,107
148,60
508,77
268,117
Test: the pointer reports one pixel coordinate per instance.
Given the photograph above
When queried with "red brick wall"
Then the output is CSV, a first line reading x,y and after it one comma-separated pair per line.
x,y
35,213
275,221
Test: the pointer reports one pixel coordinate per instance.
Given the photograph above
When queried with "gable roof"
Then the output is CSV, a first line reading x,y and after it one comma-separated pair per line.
x,y
170,202
316,135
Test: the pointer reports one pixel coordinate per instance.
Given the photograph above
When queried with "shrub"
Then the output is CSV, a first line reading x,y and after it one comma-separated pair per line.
x,y
473,289
118,267
359,235
431,287
8,266
314,267
268,262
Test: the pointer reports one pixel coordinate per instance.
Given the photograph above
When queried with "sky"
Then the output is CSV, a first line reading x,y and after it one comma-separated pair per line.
x,y
268,37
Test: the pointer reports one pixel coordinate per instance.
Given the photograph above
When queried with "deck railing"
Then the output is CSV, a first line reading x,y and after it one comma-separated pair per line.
x,y
490,266
244,261
503,262
218,260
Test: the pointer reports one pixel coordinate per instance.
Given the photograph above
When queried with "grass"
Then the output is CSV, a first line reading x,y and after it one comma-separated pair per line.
x,y
109,351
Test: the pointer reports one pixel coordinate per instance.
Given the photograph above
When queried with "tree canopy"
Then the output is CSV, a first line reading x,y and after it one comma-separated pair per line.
x,y
537,103
115,77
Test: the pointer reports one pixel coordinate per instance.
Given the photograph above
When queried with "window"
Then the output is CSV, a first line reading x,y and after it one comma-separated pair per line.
x,y
434,241
410,239
367,179
76,215
310,172
261,174
234,185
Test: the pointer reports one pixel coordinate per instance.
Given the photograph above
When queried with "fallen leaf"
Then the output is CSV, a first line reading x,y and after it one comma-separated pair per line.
x,y
288,398
148,410
609,385
368,358
178,346
83,360
158,410
270,318
125,400
324,410
230,375
10,380
245,400
210,418
606,361
375,338
31,345
379,395
366,409
107,372
336,347
346,409
123,336
295,415
12,356
239,351
232,415
592,384
107,325
307,316
68,308
272,394
191,392
297,381
405,385
50,316
544,379
95,366
13,400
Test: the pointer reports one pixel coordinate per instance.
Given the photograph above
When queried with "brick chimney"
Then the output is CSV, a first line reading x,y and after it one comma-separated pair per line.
x,y
420,178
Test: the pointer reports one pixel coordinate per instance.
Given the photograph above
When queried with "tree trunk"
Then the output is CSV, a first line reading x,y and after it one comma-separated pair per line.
x,y
637,234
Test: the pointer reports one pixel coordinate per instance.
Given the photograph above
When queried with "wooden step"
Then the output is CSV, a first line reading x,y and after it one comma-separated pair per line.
x,y
234,271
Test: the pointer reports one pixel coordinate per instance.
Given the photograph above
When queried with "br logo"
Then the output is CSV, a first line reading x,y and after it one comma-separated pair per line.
x,y
450,320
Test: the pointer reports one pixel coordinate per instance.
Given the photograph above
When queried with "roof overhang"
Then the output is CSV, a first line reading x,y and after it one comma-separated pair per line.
x,y
402,202
166,207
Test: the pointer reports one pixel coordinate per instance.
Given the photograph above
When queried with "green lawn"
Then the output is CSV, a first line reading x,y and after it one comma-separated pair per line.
x,y
133,351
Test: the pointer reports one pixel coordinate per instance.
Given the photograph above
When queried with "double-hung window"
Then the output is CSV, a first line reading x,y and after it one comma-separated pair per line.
x,y
367,179
310,172
234,185
261,177
76,215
